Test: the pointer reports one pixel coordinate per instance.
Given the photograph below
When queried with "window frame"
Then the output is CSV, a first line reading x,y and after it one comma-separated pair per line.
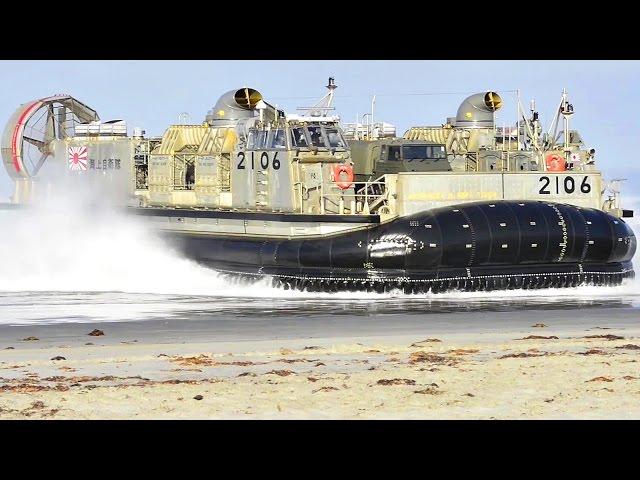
x,y
264,134
389,150
251,139
335,129
294,142
322,132
271,136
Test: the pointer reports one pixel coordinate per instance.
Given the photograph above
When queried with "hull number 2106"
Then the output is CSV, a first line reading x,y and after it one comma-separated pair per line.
x,y
264,161
564,185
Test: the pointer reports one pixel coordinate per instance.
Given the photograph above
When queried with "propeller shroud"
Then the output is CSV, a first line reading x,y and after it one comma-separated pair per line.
x,y
27,137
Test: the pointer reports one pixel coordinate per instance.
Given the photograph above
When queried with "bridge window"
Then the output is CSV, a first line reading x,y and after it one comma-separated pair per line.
x,y
298,138
394,154
438,151
335,139
276,139
317,138
261,139
414,152
251,140
423,152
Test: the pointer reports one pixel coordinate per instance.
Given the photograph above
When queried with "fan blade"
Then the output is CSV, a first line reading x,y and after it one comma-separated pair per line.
x,y
38,143
40,163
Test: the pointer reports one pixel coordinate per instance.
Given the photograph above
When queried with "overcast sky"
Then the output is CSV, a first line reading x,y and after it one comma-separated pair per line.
x,y
152,94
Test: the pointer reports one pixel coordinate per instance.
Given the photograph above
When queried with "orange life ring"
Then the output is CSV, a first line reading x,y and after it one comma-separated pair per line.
x,y
337,170
556,163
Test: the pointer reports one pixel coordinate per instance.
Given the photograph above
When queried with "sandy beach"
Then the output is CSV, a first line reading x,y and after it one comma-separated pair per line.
x,y
546,364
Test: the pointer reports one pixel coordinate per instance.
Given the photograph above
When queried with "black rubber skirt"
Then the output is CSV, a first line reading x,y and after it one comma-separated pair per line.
x,y
472,246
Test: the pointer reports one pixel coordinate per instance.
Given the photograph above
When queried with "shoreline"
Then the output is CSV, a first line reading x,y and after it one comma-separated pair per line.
x,y
464,365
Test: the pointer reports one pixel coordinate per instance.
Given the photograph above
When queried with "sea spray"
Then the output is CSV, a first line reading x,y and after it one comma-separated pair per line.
x,y
75,241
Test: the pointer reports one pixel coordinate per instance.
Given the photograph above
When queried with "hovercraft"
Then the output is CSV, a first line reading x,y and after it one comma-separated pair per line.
x,y
318,205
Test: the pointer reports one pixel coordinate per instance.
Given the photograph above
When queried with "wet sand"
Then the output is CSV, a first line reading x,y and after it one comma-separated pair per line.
x,y
436,366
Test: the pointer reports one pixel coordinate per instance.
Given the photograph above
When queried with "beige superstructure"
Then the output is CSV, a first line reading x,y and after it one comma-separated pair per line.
x,y
248,156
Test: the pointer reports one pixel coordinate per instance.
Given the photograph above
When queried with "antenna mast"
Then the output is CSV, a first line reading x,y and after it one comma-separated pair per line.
x,y
566,110
324,105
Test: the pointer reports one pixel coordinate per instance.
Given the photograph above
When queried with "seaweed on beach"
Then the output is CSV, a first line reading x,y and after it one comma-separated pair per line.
x,y
538,337
629,346
87,378
607,337
199,360
204,360
324,389
281,373
170,382
295,360
524,355
426,340
601,379
418,357
463,351
396,381
38,407
30,388
593,351
96,333
431,389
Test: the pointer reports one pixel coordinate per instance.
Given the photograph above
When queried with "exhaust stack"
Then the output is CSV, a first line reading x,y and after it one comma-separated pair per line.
x,y
233,106
477,110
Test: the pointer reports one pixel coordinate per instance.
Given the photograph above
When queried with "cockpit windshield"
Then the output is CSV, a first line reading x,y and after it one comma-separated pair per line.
x,y
276,139
266,139
335,139
261,139
423,152
317,137
298,138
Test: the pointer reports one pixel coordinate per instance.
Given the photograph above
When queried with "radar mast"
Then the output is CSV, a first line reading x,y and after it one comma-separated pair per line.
x,y
324,105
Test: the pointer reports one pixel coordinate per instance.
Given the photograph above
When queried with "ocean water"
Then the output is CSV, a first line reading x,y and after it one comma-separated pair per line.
x,y
66,262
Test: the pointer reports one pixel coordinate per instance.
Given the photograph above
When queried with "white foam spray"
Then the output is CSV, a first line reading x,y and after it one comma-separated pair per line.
x,y
75,245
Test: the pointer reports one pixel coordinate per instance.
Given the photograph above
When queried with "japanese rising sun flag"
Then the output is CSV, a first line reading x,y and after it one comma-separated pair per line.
x,y
78,158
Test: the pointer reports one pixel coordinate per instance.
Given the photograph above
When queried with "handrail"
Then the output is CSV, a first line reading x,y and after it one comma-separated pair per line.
x,y
370,199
